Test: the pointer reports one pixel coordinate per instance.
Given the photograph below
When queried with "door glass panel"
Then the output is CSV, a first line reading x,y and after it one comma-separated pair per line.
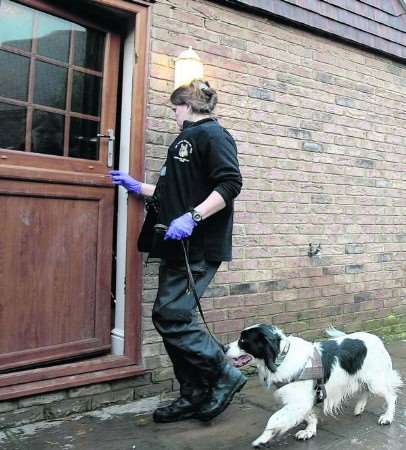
x,y
12,126
47,133
83,141
53,69
89,48
86,94
50,85
14,74
53,37
16,24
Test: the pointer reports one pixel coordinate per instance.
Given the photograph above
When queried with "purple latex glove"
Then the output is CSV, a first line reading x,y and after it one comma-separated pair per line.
x,y
181,228
121,178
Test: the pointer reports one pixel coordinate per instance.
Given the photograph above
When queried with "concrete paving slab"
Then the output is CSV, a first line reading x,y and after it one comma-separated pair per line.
x,y
130,427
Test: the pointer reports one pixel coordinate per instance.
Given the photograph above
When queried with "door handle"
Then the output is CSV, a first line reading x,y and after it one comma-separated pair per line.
x,y
110,149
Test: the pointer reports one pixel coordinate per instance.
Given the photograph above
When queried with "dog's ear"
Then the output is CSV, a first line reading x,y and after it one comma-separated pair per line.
x,y
269,358
272,347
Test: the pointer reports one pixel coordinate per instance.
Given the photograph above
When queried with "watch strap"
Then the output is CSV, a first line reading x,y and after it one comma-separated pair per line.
x,y
196,216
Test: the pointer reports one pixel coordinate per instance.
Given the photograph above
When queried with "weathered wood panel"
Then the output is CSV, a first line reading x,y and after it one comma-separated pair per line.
x,y
54,271
378,24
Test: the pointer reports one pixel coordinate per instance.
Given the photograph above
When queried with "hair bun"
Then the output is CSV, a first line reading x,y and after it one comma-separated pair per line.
x,y
198,94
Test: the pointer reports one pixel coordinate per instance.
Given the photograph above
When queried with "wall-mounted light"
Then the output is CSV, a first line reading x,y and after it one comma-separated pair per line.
x,y
188,67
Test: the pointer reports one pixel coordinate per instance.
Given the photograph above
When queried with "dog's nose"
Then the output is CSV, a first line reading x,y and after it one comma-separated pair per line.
x,y
226,348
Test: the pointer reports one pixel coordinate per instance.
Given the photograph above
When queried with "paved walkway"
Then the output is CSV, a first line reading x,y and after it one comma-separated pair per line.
x,y
128,427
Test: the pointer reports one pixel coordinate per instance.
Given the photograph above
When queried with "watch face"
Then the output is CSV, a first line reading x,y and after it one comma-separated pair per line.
x,y
197,217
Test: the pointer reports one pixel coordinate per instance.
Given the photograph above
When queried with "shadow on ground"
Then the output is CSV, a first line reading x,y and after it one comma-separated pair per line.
x,y
130,427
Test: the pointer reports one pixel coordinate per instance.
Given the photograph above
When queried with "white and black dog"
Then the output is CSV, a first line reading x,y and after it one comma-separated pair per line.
x,y
353,363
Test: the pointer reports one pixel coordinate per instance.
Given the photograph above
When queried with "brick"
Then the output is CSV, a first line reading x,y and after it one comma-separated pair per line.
x,y
163,375
233,42
295,328
229,302
312,147
298,133
229,325
216,291
89,390
285,317
262,94
243,288
258,299
321,198
354,249
108,398
67,407
270,310
345,101
365,163
134,382
285,295
354,268
362,297
21,417
41,399
153,389
6,406
215,316
275,285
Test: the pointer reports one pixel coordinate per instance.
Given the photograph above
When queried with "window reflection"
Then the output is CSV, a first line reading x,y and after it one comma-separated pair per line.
x,y
16,24
50,85
12,126
83,142
47,133
89,48
53,37
86,94
14,75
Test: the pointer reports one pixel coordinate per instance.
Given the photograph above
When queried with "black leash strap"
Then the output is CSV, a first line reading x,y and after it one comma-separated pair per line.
x,y
194,292
160,228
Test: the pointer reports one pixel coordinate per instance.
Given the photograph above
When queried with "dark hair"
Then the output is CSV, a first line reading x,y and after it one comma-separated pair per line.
x,y
197,94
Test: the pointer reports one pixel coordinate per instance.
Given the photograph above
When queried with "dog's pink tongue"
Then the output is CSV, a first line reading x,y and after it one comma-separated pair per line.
x,y
242,360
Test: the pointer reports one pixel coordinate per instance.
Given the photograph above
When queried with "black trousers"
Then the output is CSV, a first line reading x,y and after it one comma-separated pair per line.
x,y
197,359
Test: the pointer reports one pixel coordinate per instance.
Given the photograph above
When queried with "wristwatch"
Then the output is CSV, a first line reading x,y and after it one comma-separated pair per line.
x,y
196,216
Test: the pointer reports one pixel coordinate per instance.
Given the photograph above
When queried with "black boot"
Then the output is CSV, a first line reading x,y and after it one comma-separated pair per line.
x,y
180,409
229,383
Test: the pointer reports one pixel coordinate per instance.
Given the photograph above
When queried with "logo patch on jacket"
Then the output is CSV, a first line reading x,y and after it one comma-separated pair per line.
x,y
184,149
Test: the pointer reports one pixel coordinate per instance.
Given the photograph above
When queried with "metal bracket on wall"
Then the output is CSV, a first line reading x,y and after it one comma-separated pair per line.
x,y
314,249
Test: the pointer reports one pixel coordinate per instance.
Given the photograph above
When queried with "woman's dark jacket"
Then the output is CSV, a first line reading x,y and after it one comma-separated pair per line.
x,y
202,159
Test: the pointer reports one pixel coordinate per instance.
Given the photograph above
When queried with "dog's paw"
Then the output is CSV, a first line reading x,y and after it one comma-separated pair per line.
x,y
303,435
260,445
262,441
385,419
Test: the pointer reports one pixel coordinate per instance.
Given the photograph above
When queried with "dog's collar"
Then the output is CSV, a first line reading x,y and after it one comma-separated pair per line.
x,y
282,355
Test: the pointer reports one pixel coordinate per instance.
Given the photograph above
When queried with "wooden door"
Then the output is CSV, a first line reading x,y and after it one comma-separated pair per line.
x,y
58,92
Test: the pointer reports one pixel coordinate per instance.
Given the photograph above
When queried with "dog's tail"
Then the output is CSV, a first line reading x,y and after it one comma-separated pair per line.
x,y
334,333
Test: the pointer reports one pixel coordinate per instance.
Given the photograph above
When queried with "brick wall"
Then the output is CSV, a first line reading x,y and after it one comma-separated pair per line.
x,y
320,128
56,405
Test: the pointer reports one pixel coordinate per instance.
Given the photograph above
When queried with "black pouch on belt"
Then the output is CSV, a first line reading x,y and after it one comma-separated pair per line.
x,y
147,236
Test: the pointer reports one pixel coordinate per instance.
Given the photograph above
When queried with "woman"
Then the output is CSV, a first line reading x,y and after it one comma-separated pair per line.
x,y
195,193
